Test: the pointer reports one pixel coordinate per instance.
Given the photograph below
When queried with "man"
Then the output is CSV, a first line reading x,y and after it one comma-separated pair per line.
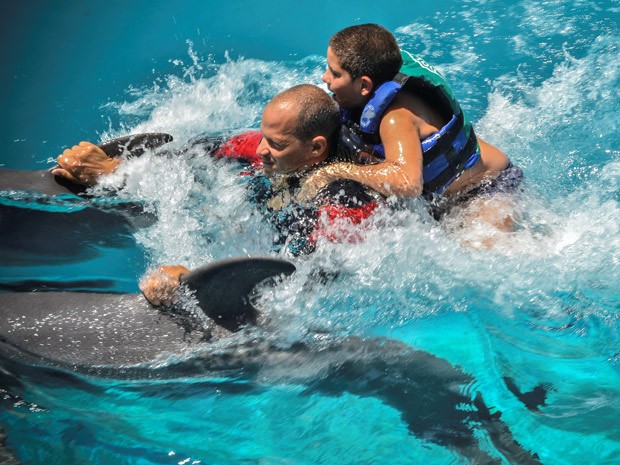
x,y
409,125
299,132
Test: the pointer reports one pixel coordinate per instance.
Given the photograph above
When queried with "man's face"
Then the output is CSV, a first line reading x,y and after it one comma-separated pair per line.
x,y
279,149
347,91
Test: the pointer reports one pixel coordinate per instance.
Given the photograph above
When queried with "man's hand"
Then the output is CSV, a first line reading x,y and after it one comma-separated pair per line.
x,y
160,287
84,163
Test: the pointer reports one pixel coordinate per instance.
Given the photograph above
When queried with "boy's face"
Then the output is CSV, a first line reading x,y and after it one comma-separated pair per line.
x,y
347,91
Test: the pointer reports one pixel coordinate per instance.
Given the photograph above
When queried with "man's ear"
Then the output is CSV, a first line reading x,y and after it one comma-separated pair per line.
x,y
367,86
320,148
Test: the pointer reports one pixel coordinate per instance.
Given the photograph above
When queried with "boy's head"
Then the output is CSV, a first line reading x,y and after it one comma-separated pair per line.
x,y
360,58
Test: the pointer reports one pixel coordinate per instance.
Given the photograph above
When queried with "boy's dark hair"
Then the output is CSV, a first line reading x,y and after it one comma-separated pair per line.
x,y
367,50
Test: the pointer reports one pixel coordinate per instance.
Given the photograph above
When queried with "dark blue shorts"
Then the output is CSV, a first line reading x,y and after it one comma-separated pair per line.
x,y
507,182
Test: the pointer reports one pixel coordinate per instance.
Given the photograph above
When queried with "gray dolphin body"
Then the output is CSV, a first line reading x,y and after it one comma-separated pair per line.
x,y
121,336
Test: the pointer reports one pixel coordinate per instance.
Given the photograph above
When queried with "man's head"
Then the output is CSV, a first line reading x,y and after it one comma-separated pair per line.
x,y
299,127
360,58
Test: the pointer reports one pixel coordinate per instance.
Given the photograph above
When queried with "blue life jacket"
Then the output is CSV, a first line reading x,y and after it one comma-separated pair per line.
x,y
446,154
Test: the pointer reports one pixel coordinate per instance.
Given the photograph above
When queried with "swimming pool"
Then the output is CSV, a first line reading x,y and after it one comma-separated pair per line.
x,y
539,80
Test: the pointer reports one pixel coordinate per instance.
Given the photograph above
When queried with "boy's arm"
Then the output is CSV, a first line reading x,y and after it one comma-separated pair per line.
x,y
399,174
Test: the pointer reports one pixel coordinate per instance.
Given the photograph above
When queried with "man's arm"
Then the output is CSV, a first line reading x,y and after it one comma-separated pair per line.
x,y
83,164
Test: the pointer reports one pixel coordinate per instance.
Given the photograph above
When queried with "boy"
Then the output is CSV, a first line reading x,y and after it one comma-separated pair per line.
x,y
400,117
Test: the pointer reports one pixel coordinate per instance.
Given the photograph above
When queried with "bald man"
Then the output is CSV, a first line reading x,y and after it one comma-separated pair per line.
x,y
299,130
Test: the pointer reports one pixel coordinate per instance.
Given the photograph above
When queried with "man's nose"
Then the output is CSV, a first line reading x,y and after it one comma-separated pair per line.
x,y
262,148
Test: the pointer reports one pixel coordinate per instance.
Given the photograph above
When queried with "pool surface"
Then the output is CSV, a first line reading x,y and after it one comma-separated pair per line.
x,y
538,313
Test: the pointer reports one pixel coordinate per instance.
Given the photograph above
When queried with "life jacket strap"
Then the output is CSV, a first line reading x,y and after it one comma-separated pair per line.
x,y
449,158
382,98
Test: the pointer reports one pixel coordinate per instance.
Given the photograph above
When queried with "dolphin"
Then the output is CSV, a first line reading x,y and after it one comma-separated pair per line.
x,y
121,336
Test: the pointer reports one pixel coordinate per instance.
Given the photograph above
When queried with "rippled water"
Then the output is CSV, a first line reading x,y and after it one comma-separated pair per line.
x,y
538,79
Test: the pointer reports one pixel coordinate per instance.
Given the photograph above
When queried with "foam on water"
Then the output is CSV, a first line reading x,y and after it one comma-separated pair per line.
x,y
566,234
541,306
209,98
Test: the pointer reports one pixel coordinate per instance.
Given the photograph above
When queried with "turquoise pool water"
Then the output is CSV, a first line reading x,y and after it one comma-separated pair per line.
x,y
540,80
